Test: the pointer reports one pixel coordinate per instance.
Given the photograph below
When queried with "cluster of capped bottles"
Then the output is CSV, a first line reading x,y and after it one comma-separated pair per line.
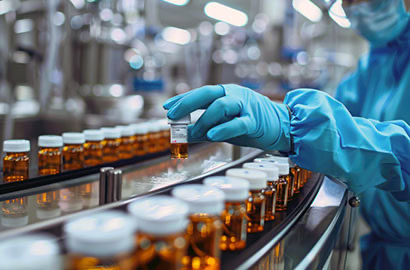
x,y
187,230
75,150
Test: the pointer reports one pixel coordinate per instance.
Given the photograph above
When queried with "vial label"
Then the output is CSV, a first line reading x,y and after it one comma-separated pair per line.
x,y
179,134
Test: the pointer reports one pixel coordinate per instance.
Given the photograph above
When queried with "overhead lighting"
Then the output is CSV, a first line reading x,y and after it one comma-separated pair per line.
x,y
308,9
337,14
226,14
177,2
176,35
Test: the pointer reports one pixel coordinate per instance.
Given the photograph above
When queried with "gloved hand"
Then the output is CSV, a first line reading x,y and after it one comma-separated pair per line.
x,y
234,114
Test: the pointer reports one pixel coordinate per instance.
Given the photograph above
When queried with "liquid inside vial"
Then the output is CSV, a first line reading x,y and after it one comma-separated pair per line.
x,y
126,149
111,149
291,183
73,157
154,141
296,174
234,226
270,195
179,141
282,194
255,210
93,153
121,261
204,234
15,167
161,252
49,160
141,144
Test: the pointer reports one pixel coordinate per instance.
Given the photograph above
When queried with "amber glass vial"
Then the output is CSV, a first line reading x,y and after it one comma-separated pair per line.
x,y
16,160
154,136
256,201
73,151
179,137
141,139
234,221
269,192
93,147
295,171
91,245
165,136
160,246
111,144
49,154
282,187
127,142
30,251
204,231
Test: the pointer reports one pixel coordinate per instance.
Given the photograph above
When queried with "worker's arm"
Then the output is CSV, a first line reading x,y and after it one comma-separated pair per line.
x,y
326,137
364,153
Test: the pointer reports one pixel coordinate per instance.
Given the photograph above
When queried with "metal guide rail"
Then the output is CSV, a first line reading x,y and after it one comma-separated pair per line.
x,y
258,244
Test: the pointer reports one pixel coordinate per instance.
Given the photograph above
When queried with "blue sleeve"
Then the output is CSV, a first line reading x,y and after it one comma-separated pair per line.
x,y
349,91
361,152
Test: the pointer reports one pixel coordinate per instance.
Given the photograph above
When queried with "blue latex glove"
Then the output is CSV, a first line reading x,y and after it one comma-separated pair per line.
x,y
234,114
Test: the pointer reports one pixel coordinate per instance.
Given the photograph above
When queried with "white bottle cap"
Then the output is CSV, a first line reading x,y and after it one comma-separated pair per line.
x,y
235,189
30,252
257,179
201,198
140,129
164,125
93,135
270,169
73,138
283,167
126,131
160,215
111,133
277,159
153,126
50,141
101,235
186,120
16,146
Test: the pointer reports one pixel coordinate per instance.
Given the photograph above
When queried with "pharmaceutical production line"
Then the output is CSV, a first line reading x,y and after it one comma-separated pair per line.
x,y
307,235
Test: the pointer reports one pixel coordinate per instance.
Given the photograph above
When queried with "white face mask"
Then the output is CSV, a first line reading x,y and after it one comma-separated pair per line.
x,y
379,21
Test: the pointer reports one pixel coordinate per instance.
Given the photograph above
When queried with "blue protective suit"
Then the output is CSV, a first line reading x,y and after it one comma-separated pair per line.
x,y
370,150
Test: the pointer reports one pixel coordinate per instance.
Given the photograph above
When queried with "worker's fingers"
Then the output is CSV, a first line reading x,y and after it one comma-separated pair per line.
x,y
228,130
199,98
193,138
171,101
220,111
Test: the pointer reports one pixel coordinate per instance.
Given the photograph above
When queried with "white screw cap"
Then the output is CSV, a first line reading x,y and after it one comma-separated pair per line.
x,y
235,189
111,133
103,234
93,135
16,146
160,215
126,131
201,198
73,138
257,179
50,141
270,169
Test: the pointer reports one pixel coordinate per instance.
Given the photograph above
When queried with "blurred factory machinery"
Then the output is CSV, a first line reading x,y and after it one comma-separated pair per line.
x,y
77,64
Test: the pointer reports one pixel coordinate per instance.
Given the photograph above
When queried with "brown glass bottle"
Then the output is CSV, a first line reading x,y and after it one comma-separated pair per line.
x,y
73,151
111,144
49,154
255,209
282,194
16,161
296,174
93,147
127,143
159,246
179,137
85,250
234,226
